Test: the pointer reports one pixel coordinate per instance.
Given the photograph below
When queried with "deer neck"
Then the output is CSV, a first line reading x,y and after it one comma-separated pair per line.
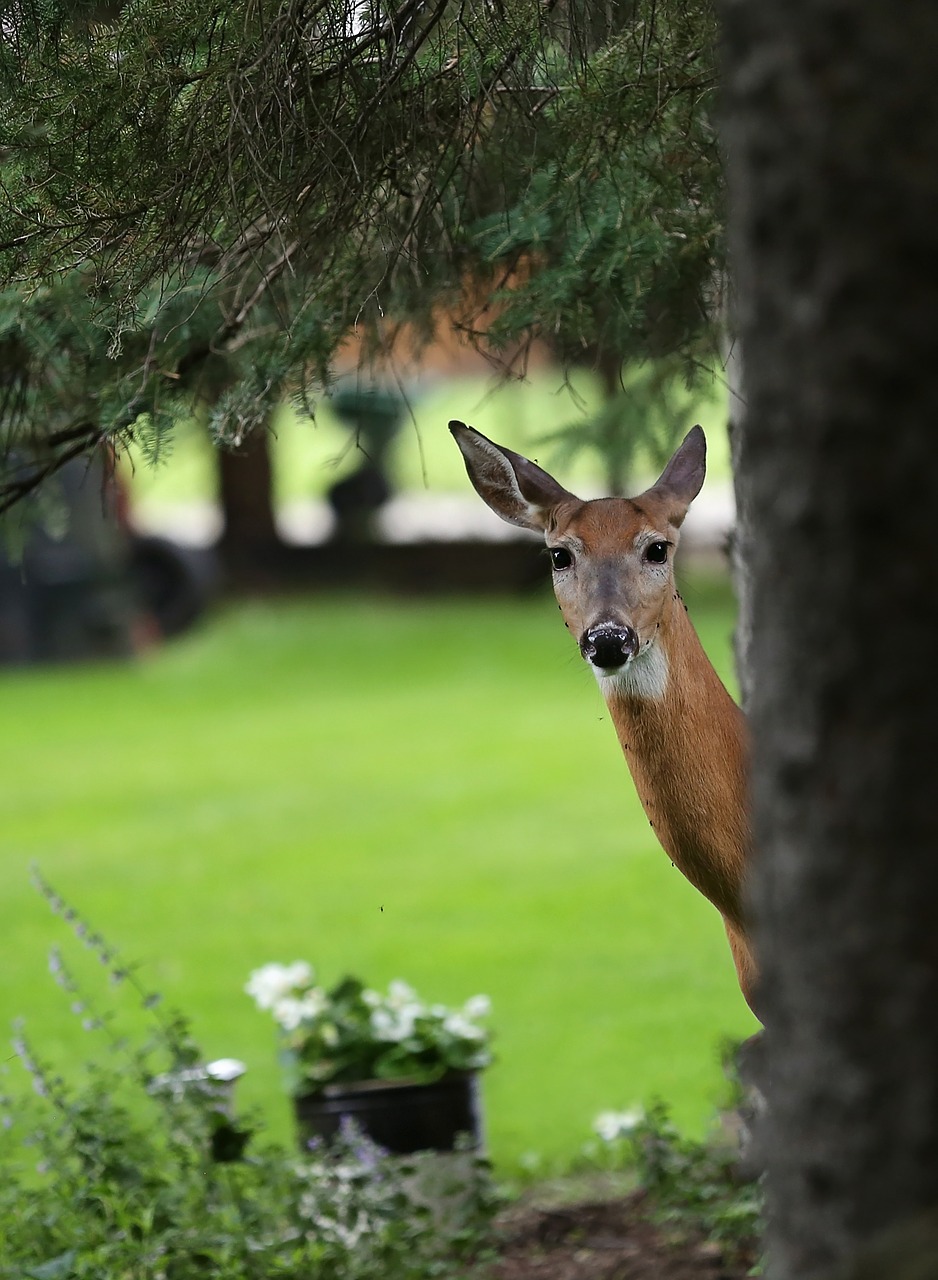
x,y
685,743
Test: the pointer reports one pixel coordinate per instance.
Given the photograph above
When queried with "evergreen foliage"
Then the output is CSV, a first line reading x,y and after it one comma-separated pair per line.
x,y
225,193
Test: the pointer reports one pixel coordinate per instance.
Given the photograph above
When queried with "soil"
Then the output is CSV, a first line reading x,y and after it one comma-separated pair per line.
x,y
604,1240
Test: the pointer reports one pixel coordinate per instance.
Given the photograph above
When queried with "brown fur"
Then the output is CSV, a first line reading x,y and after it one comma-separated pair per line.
x,y
688,756
686,743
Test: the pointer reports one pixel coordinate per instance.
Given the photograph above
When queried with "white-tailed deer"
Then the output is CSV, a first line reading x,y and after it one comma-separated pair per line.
x,y
682,734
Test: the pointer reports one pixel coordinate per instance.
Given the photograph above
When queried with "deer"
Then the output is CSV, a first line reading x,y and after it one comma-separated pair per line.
x,y
683,737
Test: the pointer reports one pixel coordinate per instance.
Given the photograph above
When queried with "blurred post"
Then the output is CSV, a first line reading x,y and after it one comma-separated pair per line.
x,y
375,416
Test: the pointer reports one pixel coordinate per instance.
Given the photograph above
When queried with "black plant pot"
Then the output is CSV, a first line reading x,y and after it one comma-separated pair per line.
x,y
400,1116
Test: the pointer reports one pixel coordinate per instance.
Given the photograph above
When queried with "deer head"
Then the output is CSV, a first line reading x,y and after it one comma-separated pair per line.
x,y
612,558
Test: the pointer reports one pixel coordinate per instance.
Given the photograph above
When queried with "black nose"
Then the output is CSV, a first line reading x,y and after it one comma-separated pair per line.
x,y
608,647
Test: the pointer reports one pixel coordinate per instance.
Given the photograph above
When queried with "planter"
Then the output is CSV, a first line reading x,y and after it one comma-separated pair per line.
x,y
399,1115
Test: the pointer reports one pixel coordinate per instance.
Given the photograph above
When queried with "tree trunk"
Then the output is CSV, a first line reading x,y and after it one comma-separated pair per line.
x,y
246,495
740,553
831,133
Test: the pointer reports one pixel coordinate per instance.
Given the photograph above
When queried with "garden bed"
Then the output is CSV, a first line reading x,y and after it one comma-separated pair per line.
x,y
606,1240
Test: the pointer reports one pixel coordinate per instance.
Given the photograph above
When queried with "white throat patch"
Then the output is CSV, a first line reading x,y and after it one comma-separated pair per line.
x,y
646,676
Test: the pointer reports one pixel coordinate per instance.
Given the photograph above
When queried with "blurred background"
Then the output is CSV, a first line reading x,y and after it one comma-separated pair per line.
x,y
308,699
277,685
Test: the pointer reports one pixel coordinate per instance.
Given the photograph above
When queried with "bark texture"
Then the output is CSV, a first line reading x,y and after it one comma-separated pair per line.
x,y
831,133
740,556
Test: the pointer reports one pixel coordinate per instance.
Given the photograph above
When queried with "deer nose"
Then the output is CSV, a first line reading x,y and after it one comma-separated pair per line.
x,y
608,646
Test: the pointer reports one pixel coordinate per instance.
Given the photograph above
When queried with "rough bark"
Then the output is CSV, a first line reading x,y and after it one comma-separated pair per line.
x,y
831,130
740,557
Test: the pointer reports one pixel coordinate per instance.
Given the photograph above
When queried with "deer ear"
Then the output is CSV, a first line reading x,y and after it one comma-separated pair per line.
x,y
515,488
683,477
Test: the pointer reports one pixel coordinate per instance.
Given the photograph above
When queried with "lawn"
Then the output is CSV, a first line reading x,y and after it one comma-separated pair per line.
x,y
424,790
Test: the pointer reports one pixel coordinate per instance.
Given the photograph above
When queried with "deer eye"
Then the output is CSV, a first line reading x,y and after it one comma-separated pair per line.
x,y
656,552
560,557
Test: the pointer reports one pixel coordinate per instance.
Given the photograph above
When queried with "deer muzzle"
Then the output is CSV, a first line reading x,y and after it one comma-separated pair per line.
x,y
608,647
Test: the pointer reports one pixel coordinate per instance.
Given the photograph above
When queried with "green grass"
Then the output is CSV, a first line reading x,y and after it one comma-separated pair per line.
x,y
424,790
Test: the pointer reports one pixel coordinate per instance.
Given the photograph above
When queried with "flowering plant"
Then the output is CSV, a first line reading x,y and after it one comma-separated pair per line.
x,y
352,1033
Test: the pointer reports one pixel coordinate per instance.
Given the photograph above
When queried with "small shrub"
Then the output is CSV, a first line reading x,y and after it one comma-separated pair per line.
x,y
136,1168
696,1188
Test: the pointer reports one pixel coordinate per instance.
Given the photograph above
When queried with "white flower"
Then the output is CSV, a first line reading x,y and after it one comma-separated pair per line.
x,y
266,985
401,994
383,1024
273,982
480,1058
394,1024
477,1007
459,1026
300,973
289,1012
314,1002
610,1125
